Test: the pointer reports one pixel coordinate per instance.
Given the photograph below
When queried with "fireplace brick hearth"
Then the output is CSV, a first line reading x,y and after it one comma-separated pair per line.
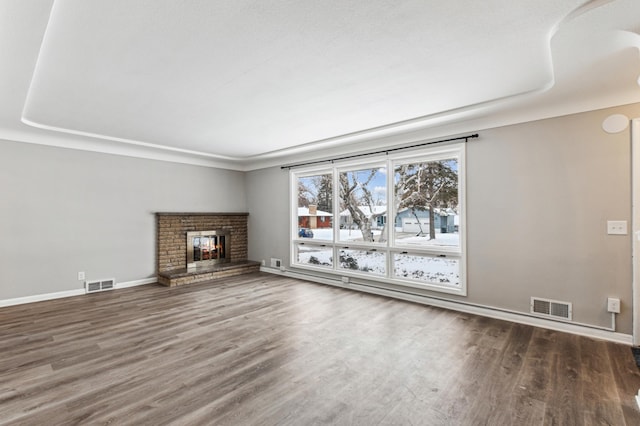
x,y
171,246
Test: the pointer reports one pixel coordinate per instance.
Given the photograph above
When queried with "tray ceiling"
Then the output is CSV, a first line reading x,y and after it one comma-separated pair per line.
x,y
233,83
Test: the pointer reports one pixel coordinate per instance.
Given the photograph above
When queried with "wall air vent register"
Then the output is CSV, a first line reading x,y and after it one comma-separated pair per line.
x,y
551,308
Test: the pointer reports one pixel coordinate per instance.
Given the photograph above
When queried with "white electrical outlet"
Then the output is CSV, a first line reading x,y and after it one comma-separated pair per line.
x,y
617,227
264,262
613,305
345,280
80,276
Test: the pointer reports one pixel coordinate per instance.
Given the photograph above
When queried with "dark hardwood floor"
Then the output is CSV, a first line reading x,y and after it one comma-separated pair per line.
x,y
267,350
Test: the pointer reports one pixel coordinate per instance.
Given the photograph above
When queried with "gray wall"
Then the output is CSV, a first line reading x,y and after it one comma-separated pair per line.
x,y
538,198
539,195
65,211
268,199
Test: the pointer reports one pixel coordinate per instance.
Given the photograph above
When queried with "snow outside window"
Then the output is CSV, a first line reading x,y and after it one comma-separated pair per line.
x,y
398,219
314,255
367,261
428,269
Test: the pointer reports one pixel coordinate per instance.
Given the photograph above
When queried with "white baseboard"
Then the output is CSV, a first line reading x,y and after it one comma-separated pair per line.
x,y
486,311
41,297
69,293
136,283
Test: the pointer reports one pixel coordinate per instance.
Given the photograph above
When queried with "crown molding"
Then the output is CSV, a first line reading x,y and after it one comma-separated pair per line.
x,y
494,114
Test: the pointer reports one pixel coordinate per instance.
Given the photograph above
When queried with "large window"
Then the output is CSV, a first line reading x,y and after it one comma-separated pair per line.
x,y
398,219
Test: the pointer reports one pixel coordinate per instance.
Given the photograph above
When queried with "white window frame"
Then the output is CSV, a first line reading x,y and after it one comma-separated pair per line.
x,y
389,247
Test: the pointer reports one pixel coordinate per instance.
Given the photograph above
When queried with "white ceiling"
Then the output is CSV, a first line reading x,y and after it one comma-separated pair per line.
x,y
234,83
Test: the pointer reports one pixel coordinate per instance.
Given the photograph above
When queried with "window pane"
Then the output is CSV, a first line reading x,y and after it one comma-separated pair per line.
x,y
428,269
314,255
363,205
426,204
363,261
315,207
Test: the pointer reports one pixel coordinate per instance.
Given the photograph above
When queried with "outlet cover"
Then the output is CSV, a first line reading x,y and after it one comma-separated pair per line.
x,y
613,305
617,227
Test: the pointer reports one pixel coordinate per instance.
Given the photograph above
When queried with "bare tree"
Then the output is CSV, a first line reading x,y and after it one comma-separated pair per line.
x,y
355,193
406,190
305,196
426,186
440,188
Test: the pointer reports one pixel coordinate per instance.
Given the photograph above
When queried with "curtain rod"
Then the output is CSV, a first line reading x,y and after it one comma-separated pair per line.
x,y
383,151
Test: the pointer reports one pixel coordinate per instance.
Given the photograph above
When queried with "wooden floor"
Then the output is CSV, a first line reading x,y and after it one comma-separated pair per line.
x,y
267,350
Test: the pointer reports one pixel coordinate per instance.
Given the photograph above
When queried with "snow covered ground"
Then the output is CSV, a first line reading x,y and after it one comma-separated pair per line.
x,y
408,266
430,269
414,267
449,239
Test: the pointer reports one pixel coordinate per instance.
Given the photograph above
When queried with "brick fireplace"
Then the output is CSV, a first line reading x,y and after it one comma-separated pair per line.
x,y
171,246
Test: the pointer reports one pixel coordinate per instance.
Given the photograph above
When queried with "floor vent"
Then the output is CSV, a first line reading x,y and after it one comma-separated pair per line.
x,y
102,285
551,308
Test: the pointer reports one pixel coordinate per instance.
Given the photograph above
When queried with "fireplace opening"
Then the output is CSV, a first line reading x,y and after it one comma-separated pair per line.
x,y
207,248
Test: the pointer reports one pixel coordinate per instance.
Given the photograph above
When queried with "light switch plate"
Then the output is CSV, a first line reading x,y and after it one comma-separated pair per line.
x,y
617,227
